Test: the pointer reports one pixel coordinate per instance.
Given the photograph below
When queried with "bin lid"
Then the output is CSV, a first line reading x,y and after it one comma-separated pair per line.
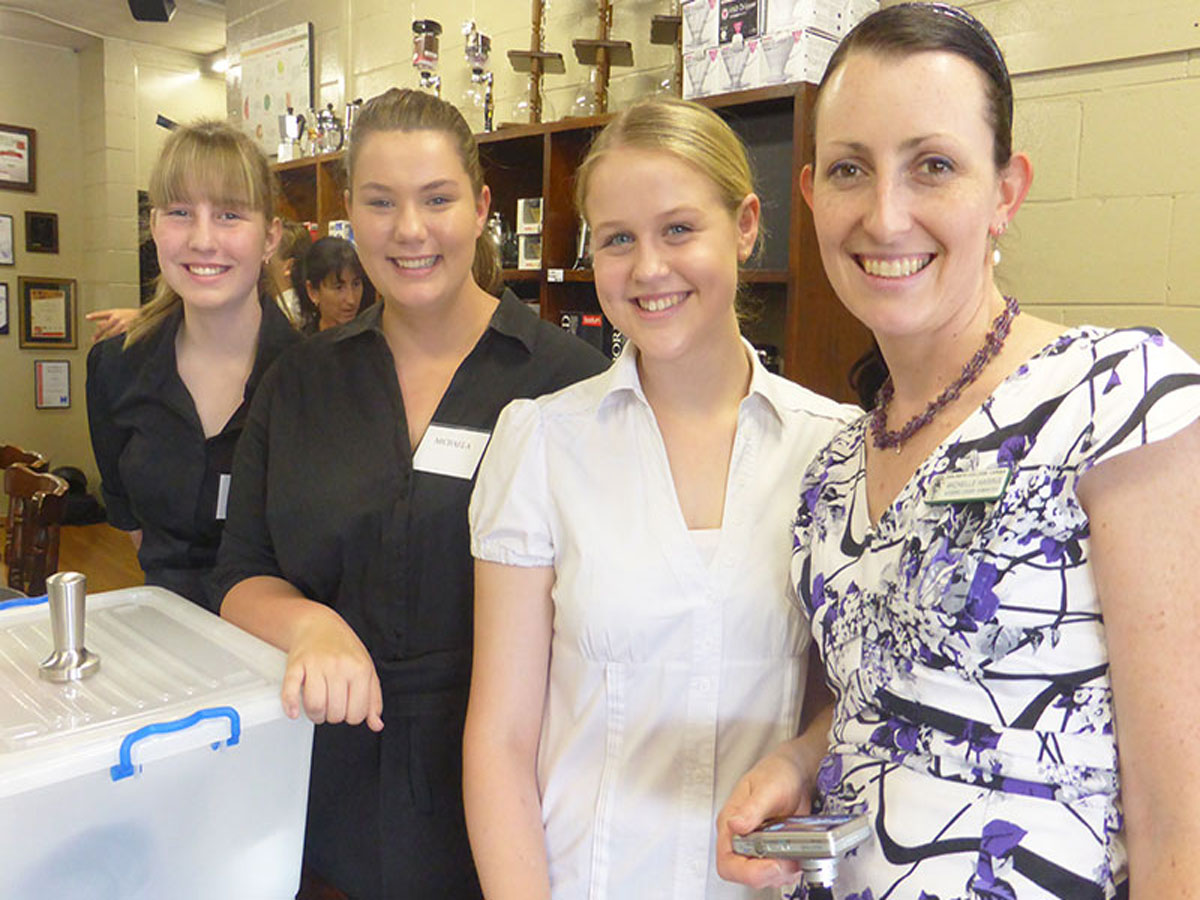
x,y
161,657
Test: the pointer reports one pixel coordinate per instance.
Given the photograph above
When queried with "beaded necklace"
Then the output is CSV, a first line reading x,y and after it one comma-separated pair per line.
x,y
885,440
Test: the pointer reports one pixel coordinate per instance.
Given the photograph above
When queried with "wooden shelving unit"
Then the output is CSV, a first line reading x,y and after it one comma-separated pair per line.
x,y
794,308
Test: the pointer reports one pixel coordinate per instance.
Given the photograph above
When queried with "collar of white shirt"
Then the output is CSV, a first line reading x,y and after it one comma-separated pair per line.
x,y
623,381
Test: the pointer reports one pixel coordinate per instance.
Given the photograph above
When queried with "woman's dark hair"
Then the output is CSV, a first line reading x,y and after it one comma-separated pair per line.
x,y
910,28
867,375
329,256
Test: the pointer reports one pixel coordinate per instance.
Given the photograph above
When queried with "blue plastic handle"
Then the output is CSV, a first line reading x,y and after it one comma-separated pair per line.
x,y
125,768
23,601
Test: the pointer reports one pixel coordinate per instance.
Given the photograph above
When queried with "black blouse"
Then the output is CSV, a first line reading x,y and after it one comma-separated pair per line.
x,y
325,495
158,471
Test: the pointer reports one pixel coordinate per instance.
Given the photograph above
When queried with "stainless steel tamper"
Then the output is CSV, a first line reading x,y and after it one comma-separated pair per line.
x,y
70,660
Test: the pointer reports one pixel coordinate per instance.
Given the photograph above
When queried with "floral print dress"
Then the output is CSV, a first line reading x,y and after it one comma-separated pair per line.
x,y
964,640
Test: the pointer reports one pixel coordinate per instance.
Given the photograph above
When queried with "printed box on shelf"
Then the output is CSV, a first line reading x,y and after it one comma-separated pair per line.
x,y
737,66
530,251
791,56
699,25
740,20
697,67
796,15
857,10
529,215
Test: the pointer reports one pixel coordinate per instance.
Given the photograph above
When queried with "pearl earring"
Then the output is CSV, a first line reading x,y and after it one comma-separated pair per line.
x,y
996,233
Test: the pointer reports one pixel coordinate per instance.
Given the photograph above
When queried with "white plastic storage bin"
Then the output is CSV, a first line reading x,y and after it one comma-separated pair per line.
x,y
170,773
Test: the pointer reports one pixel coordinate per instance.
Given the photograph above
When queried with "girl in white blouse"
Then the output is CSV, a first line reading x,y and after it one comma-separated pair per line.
x,y
635,647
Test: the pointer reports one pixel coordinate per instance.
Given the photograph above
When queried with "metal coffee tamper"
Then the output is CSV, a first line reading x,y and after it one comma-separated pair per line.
x,y
70,660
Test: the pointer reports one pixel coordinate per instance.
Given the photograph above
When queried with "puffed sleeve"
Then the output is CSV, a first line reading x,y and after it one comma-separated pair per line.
x,y
510,507
1143,388
108,439
246,548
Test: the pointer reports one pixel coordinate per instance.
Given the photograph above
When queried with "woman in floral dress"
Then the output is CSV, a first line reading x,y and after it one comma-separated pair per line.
x,y
996,560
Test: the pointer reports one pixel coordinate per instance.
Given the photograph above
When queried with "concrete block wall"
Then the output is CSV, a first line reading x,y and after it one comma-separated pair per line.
x,y
1108,107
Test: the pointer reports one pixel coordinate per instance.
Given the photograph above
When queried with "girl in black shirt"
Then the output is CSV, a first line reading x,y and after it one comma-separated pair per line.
x,y
167,401
347,543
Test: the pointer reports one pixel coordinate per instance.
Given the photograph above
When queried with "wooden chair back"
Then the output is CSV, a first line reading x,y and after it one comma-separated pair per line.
x,y
36,503
11,453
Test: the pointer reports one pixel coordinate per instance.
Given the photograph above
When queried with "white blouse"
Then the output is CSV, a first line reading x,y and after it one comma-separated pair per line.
x,y
669,677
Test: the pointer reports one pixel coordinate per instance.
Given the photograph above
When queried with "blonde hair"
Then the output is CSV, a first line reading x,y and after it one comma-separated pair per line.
x,y
688,131
401,109
213,160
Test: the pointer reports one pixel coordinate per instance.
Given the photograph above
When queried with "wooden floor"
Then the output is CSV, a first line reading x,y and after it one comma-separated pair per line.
x,y
103,553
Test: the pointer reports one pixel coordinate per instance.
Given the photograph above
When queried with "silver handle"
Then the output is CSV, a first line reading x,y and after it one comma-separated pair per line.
x,y
70,660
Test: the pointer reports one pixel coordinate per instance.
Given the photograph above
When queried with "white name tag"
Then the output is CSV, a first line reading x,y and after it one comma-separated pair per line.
x,y
223,494
968,487
446,450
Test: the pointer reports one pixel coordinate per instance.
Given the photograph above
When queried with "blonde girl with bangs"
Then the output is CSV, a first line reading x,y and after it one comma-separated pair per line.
x,y
166,401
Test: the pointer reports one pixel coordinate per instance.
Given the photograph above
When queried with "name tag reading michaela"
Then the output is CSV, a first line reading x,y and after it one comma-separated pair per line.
x,y
447,450
968,487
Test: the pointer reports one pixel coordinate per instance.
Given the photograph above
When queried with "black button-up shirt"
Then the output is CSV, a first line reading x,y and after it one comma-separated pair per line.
x,y
158,472
325,495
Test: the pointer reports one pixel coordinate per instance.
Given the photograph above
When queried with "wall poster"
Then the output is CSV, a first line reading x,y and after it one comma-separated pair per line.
x,y
276,74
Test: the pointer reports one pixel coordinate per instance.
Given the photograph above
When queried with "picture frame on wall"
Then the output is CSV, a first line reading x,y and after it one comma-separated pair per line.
x,y
41,232
7,256
52,383
46,310
18,158
3,307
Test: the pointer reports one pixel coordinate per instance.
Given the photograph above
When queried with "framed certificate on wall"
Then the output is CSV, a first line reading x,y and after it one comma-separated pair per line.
x,y
46,309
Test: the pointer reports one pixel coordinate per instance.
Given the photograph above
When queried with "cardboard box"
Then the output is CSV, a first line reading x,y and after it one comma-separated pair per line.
x,y
798,15
699,24
529,215
170,772
530,251
740,19
697,68
736,66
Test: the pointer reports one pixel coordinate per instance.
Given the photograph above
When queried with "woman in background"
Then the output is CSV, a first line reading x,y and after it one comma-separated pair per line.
x,y
995,561
329,282
167,401
347,545
635,647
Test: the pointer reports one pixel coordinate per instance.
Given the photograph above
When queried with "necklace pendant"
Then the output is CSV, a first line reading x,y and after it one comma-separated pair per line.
x,y
898,449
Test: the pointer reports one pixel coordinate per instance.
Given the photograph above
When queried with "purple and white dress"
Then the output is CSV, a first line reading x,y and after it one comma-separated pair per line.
x,y
964,640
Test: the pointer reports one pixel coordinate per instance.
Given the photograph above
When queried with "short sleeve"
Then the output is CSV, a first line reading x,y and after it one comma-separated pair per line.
x,y
1143,388
510,506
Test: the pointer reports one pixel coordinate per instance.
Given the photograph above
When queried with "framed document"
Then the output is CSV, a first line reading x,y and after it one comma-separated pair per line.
x,y
6,242
3,307
41,232
46,309
52,383
18,158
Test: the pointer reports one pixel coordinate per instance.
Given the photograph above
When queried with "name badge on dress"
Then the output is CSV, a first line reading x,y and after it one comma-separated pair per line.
x,y
968,487
447,450
223,495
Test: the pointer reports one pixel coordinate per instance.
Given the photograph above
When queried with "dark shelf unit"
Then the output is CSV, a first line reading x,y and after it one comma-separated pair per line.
x,y
791,302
